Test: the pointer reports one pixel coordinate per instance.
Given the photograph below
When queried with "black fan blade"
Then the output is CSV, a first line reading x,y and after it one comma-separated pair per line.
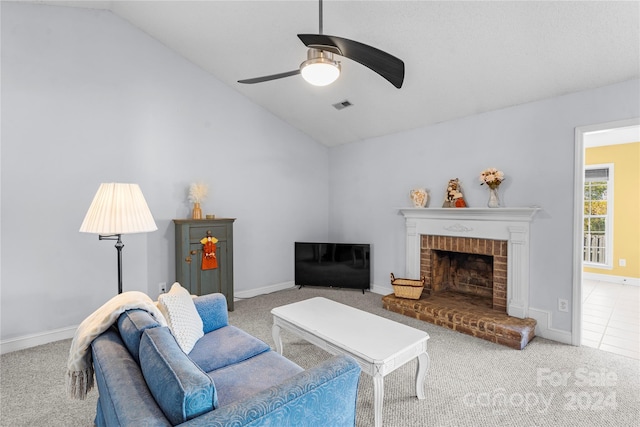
x,y
271,77
388,66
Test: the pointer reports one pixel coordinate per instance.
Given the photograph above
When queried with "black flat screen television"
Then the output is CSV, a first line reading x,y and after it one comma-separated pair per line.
x,y
339,265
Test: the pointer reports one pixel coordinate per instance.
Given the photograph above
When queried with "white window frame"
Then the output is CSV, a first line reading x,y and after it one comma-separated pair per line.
x,y
609,217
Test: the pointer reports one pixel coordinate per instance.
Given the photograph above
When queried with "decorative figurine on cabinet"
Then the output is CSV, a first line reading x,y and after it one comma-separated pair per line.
x,y
209,259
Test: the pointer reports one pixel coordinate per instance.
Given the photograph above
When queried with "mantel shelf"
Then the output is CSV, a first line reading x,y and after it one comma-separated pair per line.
x,y
478,214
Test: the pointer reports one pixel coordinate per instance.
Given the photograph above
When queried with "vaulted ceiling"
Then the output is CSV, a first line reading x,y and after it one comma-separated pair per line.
x,y
461,58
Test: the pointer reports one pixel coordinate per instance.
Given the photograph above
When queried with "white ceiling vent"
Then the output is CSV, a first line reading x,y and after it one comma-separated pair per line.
x,y
342,104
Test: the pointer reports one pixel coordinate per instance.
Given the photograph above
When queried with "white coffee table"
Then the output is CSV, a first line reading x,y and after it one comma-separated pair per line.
x,y
379,345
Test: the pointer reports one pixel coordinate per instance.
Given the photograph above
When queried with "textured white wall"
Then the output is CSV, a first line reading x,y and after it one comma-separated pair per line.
x,y
533,144
87,98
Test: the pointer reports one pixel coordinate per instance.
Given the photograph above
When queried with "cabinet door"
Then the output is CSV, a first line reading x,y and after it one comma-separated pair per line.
x,y
208,281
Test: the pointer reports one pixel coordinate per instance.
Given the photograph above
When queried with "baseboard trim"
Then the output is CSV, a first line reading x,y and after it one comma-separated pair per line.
x,y
376,289
543,318
543,328
264,290
46,337
621,280
33,340
381,289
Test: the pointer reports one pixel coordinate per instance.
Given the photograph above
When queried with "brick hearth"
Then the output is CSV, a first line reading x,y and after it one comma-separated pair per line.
x,y
471,315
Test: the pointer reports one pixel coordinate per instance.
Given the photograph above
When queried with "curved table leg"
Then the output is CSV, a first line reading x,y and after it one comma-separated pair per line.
x,y
378,396
275,333
421,372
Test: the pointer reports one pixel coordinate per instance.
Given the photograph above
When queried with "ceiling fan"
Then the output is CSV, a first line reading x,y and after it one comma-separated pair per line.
x,y
321,69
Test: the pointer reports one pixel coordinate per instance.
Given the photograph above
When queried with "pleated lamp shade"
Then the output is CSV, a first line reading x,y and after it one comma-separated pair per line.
x,y
118,209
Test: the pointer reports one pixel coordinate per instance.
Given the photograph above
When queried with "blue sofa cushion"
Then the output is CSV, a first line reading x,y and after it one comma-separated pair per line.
x,y
324,395
181,389
212,308
225,346
251,376
131,324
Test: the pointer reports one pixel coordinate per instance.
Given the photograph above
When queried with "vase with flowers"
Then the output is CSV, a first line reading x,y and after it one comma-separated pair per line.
x,y
197,193
492,177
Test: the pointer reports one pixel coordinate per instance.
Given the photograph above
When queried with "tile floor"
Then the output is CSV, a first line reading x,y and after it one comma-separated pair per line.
x,y
611,317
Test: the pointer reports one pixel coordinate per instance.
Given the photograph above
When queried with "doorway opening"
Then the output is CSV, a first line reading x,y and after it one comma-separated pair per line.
x,y
606,287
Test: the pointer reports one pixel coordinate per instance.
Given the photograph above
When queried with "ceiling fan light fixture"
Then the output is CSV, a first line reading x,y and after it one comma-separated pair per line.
x,y
320,69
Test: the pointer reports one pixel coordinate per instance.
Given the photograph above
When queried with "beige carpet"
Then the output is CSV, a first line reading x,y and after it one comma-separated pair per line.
x,y
471,382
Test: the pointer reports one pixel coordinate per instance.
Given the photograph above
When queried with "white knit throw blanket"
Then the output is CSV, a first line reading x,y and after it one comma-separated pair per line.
x,y
80,365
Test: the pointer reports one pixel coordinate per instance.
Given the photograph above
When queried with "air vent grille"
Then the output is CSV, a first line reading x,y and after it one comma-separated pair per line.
x,y
342,104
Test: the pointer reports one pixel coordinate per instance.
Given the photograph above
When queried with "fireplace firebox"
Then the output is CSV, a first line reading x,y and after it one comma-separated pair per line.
x,y
460,272
467,265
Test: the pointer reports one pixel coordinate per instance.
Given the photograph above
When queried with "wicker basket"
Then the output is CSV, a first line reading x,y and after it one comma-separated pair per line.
x,y
407,288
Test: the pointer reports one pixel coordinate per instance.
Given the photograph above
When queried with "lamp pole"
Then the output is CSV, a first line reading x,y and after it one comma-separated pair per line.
x,y
119,245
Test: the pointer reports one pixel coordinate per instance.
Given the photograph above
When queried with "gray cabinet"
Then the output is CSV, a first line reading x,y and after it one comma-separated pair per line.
x,y
189,273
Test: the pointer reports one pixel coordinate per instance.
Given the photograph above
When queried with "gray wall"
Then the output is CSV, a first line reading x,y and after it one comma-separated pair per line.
x,y
533,144
87,98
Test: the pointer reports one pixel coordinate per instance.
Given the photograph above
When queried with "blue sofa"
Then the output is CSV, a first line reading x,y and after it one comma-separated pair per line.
x,y
229,378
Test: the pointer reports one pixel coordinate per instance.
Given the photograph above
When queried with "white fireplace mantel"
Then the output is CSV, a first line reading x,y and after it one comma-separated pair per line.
x,y
510,224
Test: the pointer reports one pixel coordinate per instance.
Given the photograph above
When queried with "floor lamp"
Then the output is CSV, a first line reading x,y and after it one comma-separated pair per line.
x,y
118,209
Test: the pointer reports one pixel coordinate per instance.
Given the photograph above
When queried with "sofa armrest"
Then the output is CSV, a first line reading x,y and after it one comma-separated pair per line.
x,y
124,397
323,395
212,308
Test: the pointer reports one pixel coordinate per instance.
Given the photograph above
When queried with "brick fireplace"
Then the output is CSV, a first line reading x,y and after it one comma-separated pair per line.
x,y
476,267
466,265
510,226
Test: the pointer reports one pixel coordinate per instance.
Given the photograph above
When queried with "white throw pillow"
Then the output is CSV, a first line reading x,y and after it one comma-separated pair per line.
x,y
182,317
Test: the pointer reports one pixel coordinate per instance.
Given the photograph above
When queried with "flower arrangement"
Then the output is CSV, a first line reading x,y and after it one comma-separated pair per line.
x,y
197,192
492,177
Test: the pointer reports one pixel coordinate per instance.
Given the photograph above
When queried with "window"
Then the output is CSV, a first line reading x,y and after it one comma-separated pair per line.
x,y
598,211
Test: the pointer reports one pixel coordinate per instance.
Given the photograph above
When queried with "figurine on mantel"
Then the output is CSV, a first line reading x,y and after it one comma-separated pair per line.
x,y
419,196
454,197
